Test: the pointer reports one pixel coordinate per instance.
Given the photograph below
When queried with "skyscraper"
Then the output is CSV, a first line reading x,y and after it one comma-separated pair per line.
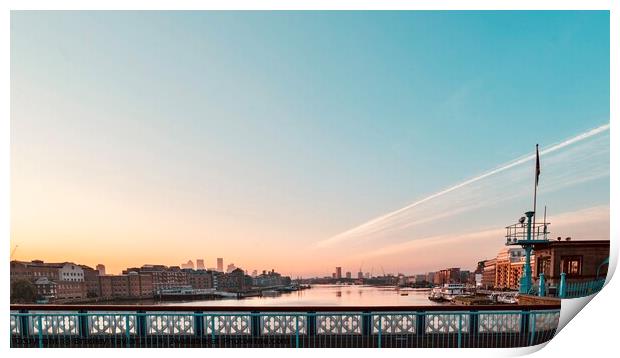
x,y
101,269
220,264
200,264
338,272
188,265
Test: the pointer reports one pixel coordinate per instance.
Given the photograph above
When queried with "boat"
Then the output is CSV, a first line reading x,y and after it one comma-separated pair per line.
x,y
447,292
507,298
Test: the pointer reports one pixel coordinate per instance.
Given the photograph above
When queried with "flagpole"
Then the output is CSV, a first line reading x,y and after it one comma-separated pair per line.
x,y
535,189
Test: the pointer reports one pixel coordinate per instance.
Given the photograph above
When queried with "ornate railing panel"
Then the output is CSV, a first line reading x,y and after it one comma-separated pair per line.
x,y
479,326
228,324
338,324
499,322
283,324
170,323
394,323
57,324
104,323
15,323
545,321
447,323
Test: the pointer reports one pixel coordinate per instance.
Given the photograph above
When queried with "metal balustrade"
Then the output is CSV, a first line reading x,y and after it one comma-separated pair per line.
x,y
568,288
370,327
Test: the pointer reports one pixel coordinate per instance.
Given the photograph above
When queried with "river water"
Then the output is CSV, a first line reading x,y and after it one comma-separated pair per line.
x,y
330,295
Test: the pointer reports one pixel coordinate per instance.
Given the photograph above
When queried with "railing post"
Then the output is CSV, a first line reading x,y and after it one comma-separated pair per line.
x,y
212,330
24,323
532,327
541,285
420,323
83,323
40,323
474,318
367,324
297,331
524,330
255,323
198,324
128,330
141,324
460,330
311,321
562,293
379,332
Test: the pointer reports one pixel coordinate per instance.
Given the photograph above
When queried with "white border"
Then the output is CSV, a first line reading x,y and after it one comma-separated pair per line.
x,y
591,333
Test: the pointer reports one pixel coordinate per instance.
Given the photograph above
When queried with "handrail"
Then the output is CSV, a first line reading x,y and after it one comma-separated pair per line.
x,y
202,308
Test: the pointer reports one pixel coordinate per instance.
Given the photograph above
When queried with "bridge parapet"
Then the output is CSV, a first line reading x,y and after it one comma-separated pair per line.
x,y
193,326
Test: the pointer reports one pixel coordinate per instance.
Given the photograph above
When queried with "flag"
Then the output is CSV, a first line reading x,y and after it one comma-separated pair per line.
x,y
537,165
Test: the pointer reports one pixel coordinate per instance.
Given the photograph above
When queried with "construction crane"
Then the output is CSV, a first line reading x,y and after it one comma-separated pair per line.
x,y
13,251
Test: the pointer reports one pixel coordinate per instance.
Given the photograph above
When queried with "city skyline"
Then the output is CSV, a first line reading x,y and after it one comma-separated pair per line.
x,y
348,138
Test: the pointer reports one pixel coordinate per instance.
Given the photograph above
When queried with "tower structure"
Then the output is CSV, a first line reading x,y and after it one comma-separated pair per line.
x,y
526,233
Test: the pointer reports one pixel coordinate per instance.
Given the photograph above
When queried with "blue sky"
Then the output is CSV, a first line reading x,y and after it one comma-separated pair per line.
x,y
281,129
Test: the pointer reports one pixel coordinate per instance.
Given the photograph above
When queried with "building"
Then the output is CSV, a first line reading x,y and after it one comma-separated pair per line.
x,y
163,277
71,272
230,268
201,279
101,269
449,275
91,280
348,275
509,268
46,289
271,278
235,281
338,272
70,290
580,260
430,277
130,285
34,270
188,265
200,264
488,274
220,264
419,279
360,275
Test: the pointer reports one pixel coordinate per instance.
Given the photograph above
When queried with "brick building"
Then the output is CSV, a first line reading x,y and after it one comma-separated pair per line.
x,y
201,279
580,260
449,275
163,277
131,285
488,273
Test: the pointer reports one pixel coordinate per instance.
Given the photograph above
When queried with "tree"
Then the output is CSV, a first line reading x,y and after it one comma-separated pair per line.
x,y
23,291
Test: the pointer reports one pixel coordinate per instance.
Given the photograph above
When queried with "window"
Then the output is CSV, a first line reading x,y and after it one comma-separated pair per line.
x,y
571,265
544,266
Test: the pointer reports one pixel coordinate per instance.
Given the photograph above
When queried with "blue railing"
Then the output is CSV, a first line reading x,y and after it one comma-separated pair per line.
x,y
428,327
567,288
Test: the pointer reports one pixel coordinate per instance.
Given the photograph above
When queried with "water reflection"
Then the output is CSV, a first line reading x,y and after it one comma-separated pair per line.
x,y
331,295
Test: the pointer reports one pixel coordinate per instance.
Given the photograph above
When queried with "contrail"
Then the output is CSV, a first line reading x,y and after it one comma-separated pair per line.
x,y
360,229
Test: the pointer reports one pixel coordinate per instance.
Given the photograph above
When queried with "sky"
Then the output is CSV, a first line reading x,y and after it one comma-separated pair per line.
x,y
299,141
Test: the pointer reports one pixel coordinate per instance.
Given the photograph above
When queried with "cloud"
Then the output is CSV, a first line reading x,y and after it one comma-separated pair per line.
x,y
574,161
580,225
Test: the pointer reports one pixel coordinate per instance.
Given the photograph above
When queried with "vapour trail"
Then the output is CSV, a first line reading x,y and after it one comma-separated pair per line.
x,y
369,224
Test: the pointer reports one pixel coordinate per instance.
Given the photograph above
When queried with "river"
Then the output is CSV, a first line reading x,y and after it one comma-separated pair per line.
x,y
330,295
